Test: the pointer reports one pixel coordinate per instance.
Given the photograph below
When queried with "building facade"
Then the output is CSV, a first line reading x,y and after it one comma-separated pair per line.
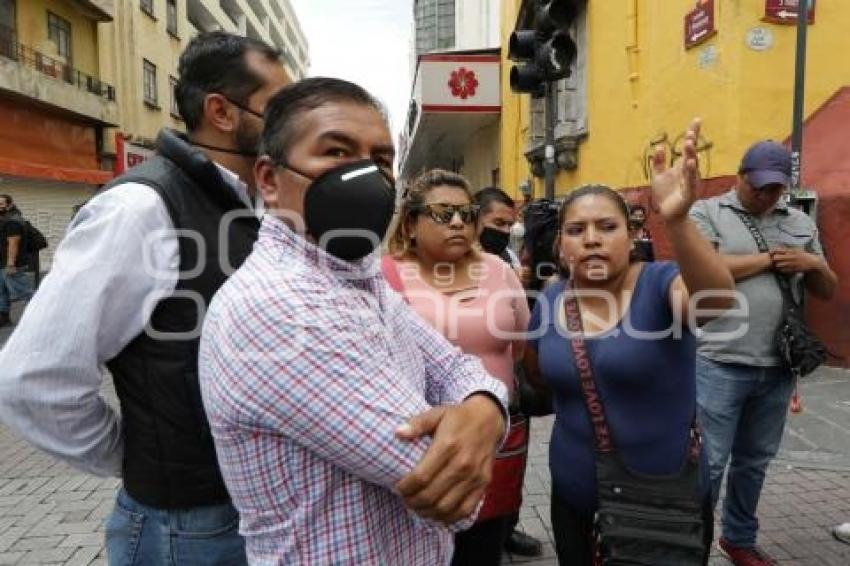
x,y
55,107
142,45
454,115
645,69
85,85
636,85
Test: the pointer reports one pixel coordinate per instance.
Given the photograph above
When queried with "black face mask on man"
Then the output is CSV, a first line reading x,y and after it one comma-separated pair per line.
x,y
348,209
494,241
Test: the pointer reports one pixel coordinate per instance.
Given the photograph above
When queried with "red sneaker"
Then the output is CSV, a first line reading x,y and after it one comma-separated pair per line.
x,y
746,556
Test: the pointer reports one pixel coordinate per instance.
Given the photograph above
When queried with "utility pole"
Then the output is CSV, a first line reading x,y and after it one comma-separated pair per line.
x,y
799,96
550,168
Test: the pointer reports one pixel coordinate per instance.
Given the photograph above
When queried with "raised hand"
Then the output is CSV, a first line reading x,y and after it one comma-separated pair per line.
x,y
675,188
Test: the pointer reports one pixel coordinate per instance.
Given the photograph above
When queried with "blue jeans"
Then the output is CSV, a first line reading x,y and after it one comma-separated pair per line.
x,y
14,287
138,535
742,410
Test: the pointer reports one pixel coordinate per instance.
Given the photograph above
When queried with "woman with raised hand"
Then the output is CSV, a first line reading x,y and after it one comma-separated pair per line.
x,y
476,301
611,340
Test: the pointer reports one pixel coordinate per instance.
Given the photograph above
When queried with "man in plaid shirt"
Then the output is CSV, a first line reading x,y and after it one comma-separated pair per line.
x,y
347,429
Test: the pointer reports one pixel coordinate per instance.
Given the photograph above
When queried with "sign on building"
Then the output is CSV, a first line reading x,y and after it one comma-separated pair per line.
x,y
785,11
128,154
700,24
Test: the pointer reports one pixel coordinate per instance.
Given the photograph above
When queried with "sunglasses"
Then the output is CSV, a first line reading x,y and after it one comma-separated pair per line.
x,y
443,213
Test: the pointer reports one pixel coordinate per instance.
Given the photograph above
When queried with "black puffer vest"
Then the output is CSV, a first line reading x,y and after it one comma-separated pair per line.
x,y
169,457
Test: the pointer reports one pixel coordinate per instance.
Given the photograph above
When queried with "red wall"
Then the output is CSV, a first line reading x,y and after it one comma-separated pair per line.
x,y
826,169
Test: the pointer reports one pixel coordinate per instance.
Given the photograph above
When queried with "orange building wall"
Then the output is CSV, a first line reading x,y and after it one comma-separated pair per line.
x,y
30,134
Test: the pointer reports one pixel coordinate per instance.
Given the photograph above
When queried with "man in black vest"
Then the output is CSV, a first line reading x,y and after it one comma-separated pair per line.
x,y
129,288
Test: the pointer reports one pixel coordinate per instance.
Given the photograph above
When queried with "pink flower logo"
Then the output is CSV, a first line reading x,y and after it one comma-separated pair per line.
x,y
463,83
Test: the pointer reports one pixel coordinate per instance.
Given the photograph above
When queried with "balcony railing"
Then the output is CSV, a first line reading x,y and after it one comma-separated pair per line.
x,y
11,49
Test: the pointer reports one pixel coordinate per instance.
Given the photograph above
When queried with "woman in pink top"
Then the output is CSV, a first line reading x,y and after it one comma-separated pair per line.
x,y
472,297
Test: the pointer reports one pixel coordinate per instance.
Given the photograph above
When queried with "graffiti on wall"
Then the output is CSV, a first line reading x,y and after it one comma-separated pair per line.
x,y
674,148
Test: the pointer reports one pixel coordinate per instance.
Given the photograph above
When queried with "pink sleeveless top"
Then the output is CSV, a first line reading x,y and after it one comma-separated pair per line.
x,y
487,321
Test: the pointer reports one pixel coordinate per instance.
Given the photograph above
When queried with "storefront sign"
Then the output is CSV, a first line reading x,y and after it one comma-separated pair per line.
x,y
459,83
700,24
128,154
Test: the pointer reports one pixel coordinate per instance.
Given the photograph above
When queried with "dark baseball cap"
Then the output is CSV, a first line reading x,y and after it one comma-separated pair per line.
x,y
767,163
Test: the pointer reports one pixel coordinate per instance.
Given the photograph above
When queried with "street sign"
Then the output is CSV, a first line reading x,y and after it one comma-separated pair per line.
x,y
785,11
128,154
760,39
699,23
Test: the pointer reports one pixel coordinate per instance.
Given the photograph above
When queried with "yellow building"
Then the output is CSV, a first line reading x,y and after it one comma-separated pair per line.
x,y
54,108
636,85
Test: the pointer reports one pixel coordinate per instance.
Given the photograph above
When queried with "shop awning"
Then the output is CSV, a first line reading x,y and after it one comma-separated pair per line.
x,y
31,170
455,96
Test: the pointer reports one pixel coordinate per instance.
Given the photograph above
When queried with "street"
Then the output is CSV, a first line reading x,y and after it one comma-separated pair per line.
x,y
51,514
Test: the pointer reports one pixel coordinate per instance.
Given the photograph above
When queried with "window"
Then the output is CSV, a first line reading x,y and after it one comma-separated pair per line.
x,y
7,14
59,32
175,110
171,17
435,25
147,7
149,70
8,36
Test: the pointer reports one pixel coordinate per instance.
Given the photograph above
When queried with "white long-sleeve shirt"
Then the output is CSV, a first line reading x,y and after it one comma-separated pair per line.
x,y
118,258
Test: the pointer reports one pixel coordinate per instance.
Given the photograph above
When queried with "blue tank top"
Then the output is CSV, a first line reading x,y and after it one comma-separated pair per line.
x,y
647,384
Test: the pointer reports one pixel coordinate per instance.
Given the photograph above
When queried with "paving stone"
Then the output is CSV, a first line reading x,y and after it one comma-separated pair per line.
x,y
8,558
36,514
84,527
36,543
94,539
86,505
103,509
84,556
11,536
47,555
46,527
64,496
75,516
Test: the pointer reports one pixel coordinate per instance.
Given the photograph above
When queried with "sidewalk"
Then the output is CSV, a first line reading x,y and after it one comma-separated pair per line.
x,y
51,514
801,502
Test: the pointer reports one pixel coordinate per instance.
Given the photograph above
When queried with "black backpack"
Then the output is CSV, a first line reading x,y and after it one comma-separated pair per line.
x,y
33,240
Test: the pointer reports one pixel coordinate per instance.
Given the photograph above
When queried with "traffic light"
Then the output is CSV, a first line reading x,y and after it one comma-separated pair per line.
x,y
546,52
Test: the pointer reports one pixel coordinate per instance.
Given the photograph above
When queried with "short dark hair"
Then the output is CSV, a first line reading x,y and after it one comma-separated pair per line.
x,y
215,62
486,197
8,199
286,107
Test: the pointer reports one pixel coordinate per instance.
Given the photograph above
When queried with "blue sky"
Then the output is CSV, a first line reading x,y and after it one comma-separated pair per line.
x,y
363,41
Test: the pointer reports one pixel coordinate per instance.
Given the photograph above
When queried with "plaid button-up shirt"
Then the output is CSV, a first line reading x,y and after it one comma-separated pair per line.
x,y
307,366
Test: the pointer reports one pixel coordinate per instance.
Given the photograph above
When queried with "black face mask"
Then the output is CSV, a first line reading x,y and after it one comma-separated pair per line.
x,y
348,209
494,241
